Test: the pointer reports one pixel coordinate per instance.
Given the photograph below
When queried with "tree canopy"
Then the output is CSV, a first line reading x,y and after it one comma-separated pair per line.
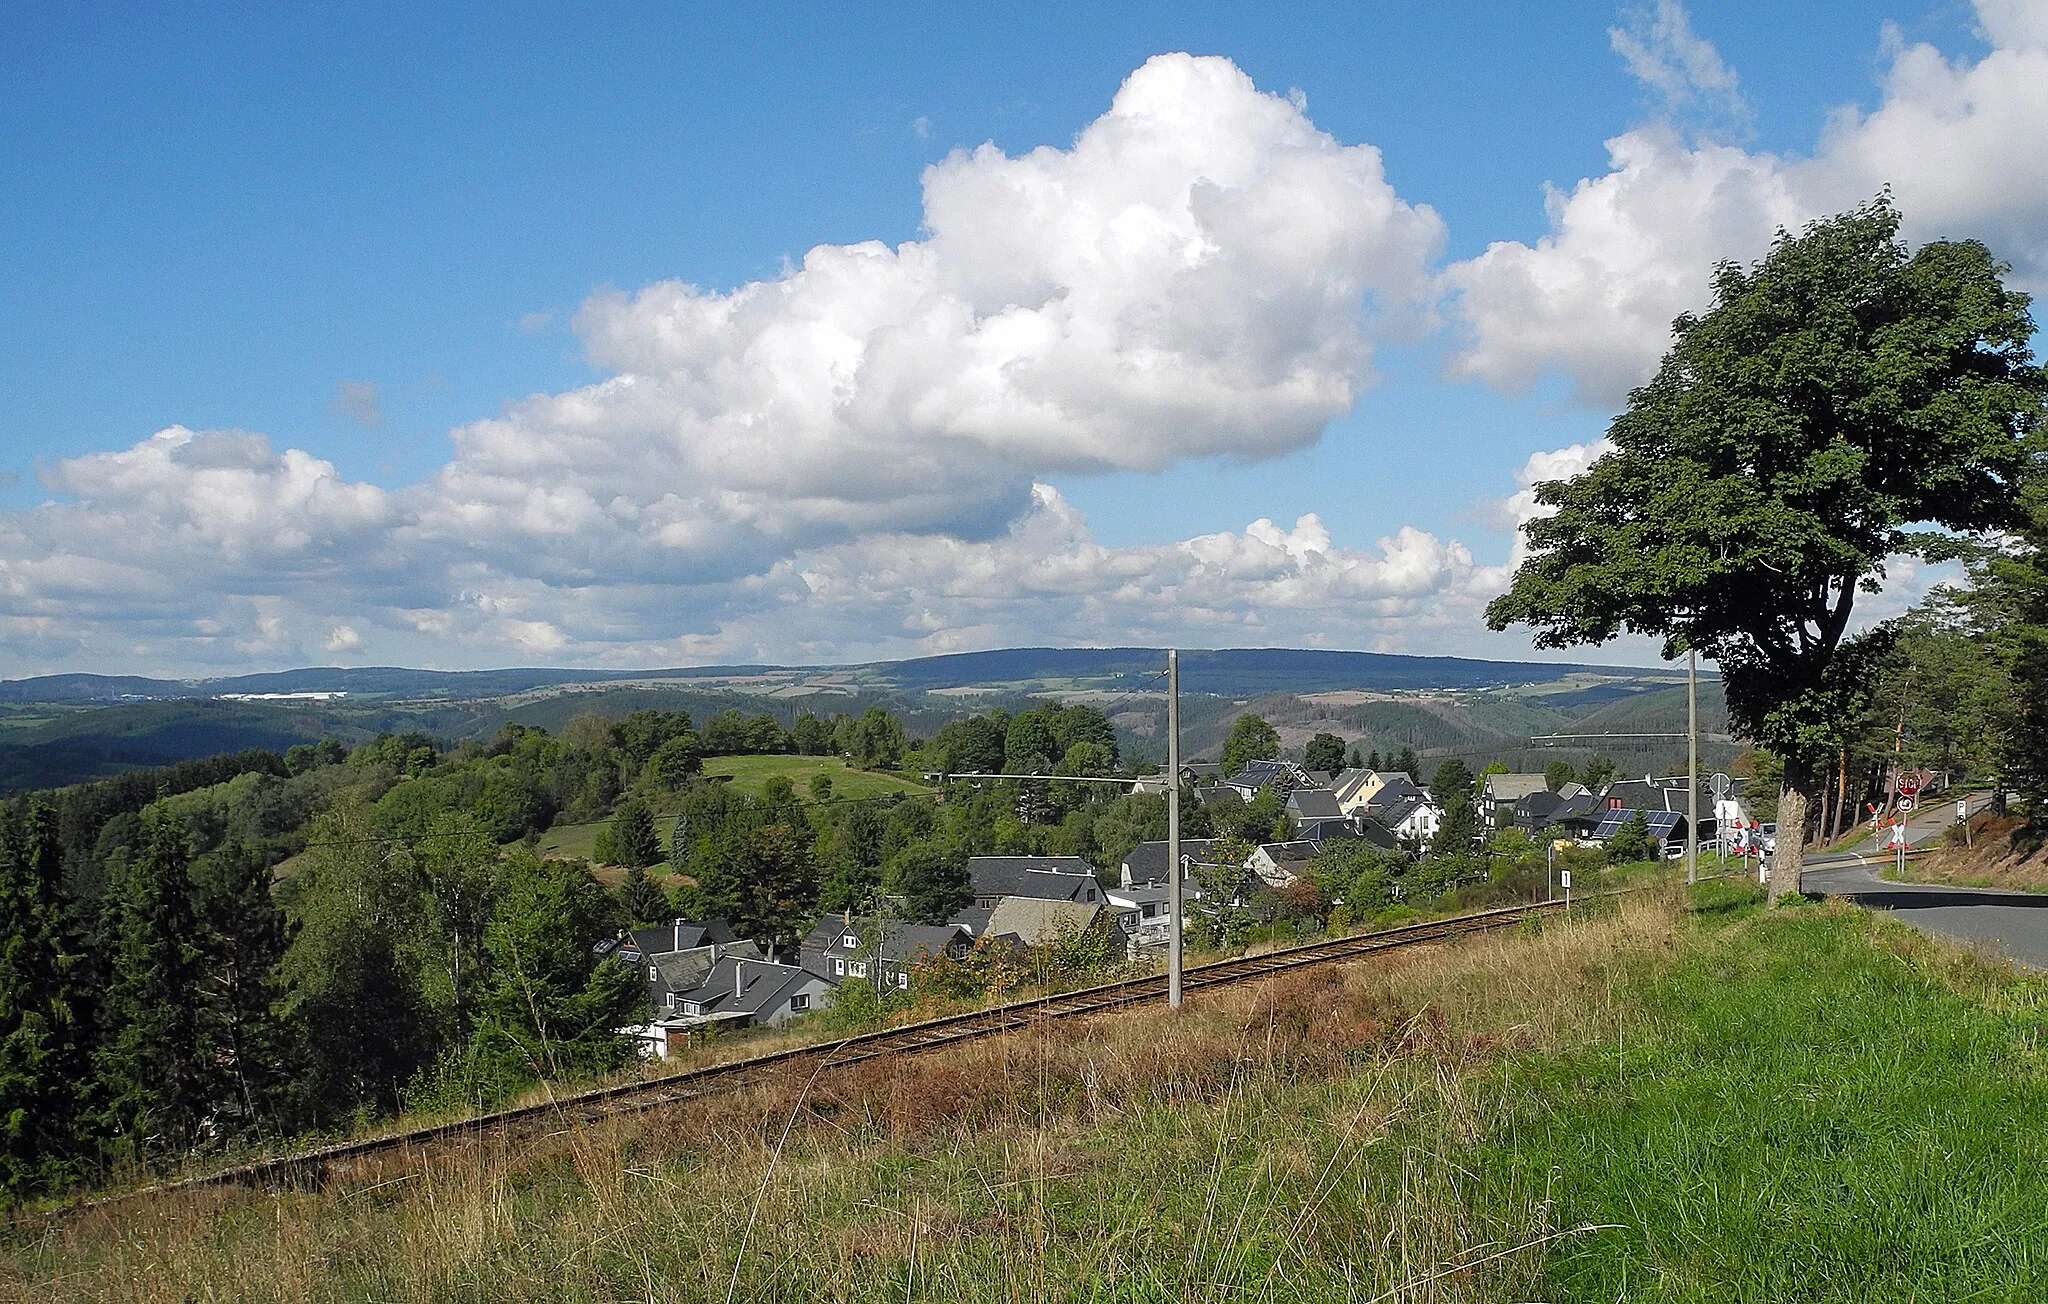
x,y
1838,393
1325,752
1251,739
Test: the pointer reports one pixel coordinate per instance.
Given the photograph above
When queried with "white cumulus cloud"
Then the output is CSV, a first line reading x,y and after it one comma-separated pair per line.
x,y
1627,251
1195,276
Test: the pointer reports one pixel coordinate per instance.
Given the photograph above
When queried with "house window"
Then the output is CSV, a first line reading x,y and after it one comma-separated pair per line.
x,y
653,973
839,966
1091,894
903,981
848,939
1151,910
692,1007
671,1000
857,968
802,1001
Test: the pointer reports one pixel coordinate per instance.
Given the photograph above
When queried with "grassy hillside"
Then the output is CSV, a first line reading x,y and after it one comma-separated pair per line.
x,y
1647,1105
750,774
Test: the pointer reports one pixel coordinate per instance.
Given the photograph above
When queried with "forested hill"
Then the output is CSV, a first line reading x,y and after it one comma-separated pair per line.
x,y
1229,672
1226,672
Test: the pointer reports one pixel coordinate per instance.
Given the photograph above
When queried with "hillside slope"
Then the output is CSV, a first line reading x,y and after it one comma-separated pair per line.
x,y
1816,1104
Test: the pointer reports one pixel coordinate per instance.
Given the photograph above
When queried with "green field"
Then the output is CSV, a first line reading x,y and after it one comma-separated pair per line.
x,y
751,773
579,841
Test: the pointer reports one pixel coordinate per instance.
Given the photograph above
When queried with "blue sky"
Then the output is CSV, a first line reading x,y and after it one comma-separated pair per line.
x,y
355,232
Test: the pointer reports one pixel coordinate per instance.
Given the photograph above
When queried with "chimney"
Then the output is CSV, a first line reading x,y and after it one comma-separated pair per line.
x,y
739,987
679,937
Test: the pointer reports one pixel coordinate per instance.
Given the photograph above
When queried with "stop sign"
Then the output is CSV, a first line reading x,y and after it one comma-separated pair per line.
x,y
1909,783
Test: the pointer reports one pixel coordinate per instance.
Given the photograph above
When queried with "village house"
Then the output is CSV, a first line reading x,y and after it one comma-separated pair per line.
x,y
735,992
1032,900
674,957
1573,816
1258,776
881,952
1279,863
1410,813
1353,788
1498,794
1150,912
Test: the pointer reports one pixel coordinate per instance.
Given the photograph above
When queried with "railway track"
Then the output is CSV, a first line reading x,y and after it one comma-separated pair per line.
x,y
313,1167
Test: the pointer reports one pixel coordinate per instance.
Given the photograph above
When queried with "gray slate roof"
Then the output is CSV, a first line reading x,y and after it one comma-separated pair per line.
x,y
1513,787
1313,803
1147,861
1368,830
1045,878
1257,774
751,987
901,942
1396,790
661,939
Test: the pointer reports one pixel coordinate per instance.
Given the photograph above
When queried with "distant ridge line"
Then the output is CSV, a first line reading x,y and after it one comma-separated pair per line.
x,y
1236,672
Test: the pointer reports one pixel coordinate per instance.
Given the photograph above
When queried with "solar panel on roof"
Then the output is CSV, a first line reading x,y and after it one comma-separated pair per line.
x,y
1659,822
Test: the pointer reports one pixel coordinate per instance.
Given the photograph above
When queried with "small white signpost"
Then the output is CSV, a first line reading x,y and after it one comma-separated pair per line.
x,y
1566,875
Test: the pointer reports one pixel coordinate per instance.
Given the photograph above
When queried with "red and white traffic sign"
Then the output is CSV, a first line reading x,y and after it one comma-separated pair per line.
x,y
1906,805
1909,782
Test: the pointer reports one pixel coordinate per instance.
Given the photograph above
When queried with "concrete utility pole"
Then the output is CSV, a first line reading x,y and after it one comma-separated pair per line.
x,y
1174,922
1692,767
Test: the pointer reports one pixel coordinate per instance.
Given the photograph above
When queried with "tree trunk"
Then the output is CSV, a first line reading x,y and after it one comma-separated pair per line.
x,y
1788,860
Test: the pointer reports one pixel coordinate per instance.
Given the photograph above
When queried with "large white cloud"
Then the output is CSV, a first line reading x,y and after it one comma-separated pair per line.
x,y
1191,278
1956,140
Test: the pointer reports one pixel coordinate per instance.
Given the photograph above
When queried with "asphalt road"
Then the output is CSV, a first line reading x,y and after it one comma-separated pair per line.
x,y
2014,923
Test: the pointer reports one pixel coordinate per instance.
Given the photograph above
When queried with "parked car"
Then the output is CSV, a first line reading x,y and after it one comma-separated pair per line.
x,y
1768,831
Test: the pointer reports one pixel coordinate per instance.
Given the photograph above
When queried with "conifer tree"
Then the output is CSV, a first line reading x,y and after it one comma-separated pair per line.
x,y
243,1030
152,1069
630,838
44,1051
642,898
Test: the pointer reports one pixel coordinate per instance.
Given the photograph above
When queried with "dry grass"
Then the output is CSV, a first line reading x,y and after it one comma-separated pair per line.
x,y
2001,855
1286,1138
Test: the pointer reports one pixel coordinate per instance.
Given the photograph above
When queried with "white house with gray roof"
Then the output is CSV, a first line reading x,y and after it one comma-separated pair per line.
x,y
881,952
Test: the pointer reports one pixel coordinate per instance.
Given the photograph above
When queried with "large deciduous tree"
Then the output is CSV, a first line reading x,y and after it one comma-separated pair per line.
x,y
1251,739
1839,392
1325,752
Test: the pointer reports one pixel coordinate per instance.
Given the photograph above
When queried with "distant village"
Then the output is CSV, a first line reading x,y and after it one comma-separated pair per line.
x,y
699,976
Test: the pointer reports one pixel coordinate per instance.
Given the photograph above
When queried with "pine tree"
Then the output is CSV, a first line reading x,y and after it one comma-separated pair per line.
x,y
44,1055
630,839
246,935
642,898
155,1076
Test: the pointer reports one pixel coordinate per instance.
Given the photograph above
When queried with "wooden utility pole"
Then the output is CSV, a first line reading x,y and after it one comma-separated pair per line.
x,y
1174,905
1692,766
